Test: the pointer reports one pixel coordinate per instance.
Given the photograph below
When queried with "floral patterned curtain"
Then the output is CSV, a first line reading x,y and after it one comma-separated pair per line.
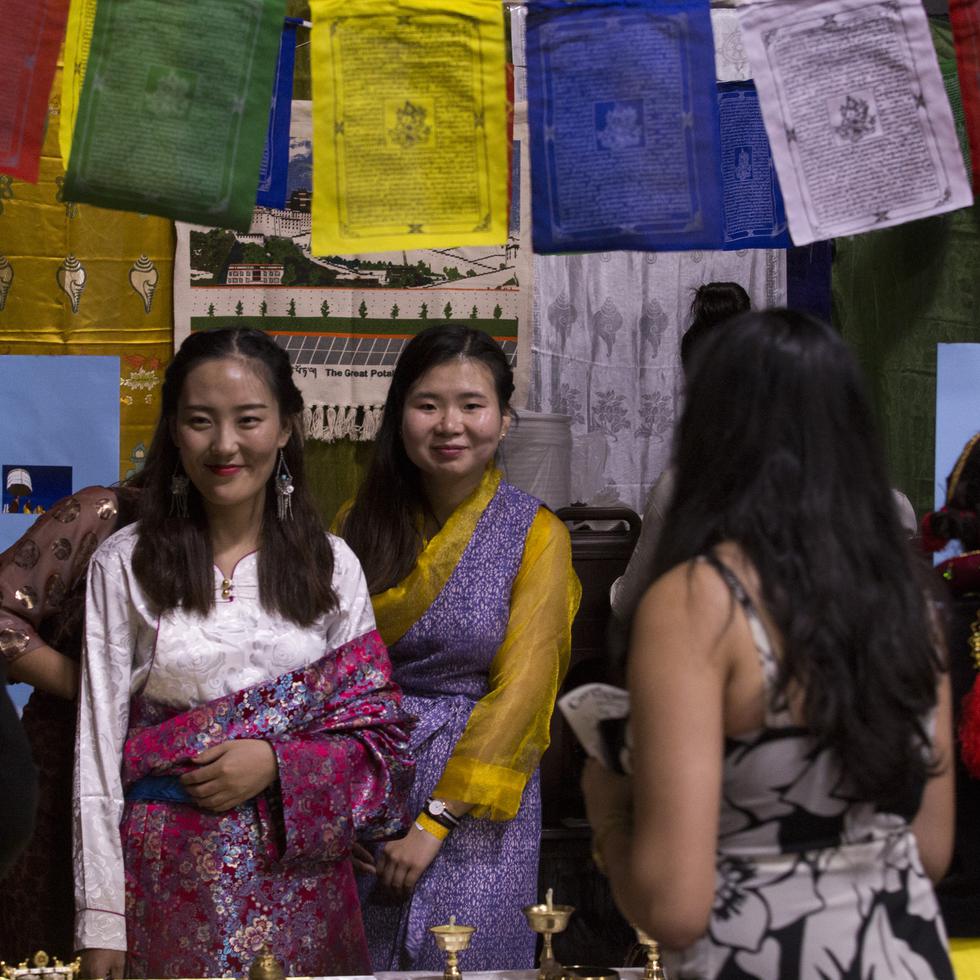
x,y
606,352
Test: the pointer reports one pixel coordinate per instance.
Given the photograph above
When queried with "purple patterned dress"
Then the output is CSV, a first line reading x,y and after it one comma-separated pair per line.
x,y
486,871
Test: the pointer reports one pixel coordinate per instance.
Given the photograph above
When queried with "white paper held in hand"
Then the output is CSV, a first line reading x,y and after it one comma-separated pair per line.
x,y
598,714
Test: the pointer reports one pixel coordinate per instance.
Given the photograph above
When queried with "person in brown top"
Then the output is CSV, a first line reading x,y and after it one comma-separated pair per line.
x,y
42,601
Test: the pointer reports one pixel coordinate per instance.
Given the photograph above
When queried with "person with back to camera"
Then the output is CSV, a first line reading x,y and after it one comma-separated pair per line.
x,y
791,789
237,722
714,303
475,594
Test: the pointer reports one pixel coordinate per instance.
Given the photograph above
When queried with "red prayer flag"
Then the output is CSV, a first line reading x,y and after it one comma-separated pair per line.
x,y
964,16
29,42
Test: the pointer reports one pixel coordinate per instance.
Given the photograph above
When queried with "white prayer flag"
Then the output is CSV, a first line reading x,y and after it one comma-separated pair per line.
x,y
860,125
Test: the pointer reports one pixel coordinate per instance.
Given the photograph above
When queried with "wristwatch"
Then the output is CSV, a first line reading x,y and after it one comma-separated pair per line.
x,y
438,810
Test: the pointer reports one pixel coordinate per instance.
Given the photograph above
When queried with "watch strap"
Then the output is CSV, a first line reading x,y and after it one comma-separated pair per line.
x,y
438,811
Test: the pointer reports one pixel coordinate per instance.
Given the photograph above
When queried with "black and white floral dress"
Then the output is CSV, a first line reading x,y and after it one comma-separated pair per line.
x,y
809,884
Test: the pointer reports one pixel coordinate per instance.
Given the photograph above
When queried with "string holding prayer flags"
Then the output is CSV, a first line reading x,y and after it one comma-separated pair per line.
x,y
624,125
29,42
175,107
275,156
964,18
78,40
857,116
755,216
409,127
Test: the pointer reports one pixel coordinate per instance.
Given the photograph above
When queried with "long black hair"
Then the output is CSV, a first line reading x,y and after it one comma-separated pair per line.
x,y
383,526
777,451
173,558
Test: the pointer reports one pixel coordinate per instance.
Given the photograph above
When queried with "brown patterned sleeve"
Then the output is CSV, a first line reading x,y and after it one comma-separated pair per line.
x,y
39,570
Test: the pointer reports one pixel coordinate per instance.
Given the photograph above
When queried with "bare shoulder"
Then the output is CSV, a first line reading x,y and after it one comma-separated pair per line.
x,y
693,586
689,605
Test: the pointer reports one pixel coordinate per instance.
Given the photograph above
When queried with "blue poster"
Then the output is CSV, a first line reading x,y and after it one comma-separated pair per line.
x,y
957,407
623,116
59,432
275,156
755,216
33,489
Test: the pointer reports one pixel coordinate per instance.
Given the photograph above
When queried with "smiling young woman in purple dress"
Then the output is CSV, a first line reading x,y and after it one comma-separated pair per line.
x,y
475,594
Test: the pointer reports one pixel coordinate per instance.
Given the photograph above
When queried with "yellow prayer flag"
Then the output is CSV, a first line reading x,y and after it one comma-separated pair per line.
x,y
409,125
78,38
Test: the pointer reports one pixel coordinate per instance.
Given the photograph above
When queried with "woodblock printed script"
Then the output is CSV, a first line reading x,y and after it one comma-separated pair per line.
x,y
409,125
859,122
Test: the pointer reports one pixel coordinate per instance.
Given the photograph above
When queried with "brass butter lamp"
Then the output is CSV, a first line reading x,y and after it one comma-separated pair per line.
x,y
654,969
40,965
547,919
452,939
265,966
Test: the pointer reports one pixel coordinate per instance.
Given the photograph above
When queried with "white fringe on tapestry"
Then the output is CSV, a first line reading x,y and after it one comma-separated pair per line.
x,y
328,423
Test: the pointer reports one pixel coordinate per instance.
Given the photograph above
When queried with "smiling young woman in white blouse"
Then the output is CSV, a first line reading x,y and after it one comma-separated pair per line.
x,y
237,726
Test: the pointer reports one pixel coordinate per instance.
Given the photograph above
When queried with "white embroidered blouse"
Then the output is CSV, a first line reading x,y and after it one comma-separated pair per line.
x,y
181,659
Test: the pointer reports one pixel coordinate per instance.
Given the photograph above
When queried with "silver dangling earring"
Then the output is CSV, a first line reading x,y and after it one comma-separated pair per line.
x,y
179,485
284,490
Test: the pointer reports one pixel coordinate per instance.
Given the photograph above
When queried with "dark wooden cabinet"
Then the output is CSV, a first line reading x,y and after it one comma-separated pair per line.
x,y
602,542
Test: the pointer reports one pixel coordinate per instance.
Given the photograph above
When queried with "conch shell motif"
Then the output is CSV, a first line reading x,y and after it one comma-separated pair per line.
x,y
143,278
71,278
6,278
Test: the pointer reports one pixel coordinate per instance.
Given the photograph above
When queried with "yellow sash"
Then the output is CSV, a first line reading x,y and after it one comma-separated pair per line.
x,y
399,607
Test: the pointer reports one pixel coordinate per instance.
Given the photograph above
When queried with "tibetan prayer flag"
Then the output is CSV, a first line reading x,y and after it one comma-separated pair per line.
x,y
964,18
409,125
858,119
754,213
175,107
623,114
275,157
29,40
78,40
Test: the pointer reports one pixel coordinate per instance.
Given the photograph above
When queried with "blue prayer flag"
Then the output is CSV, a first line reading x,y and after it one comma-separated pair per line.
x,y
275,156
623,115
755,216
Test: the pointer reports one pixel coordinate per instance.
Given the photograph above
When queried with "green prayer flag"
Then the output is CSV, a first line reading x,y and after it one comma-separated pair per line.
x,y
174,110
